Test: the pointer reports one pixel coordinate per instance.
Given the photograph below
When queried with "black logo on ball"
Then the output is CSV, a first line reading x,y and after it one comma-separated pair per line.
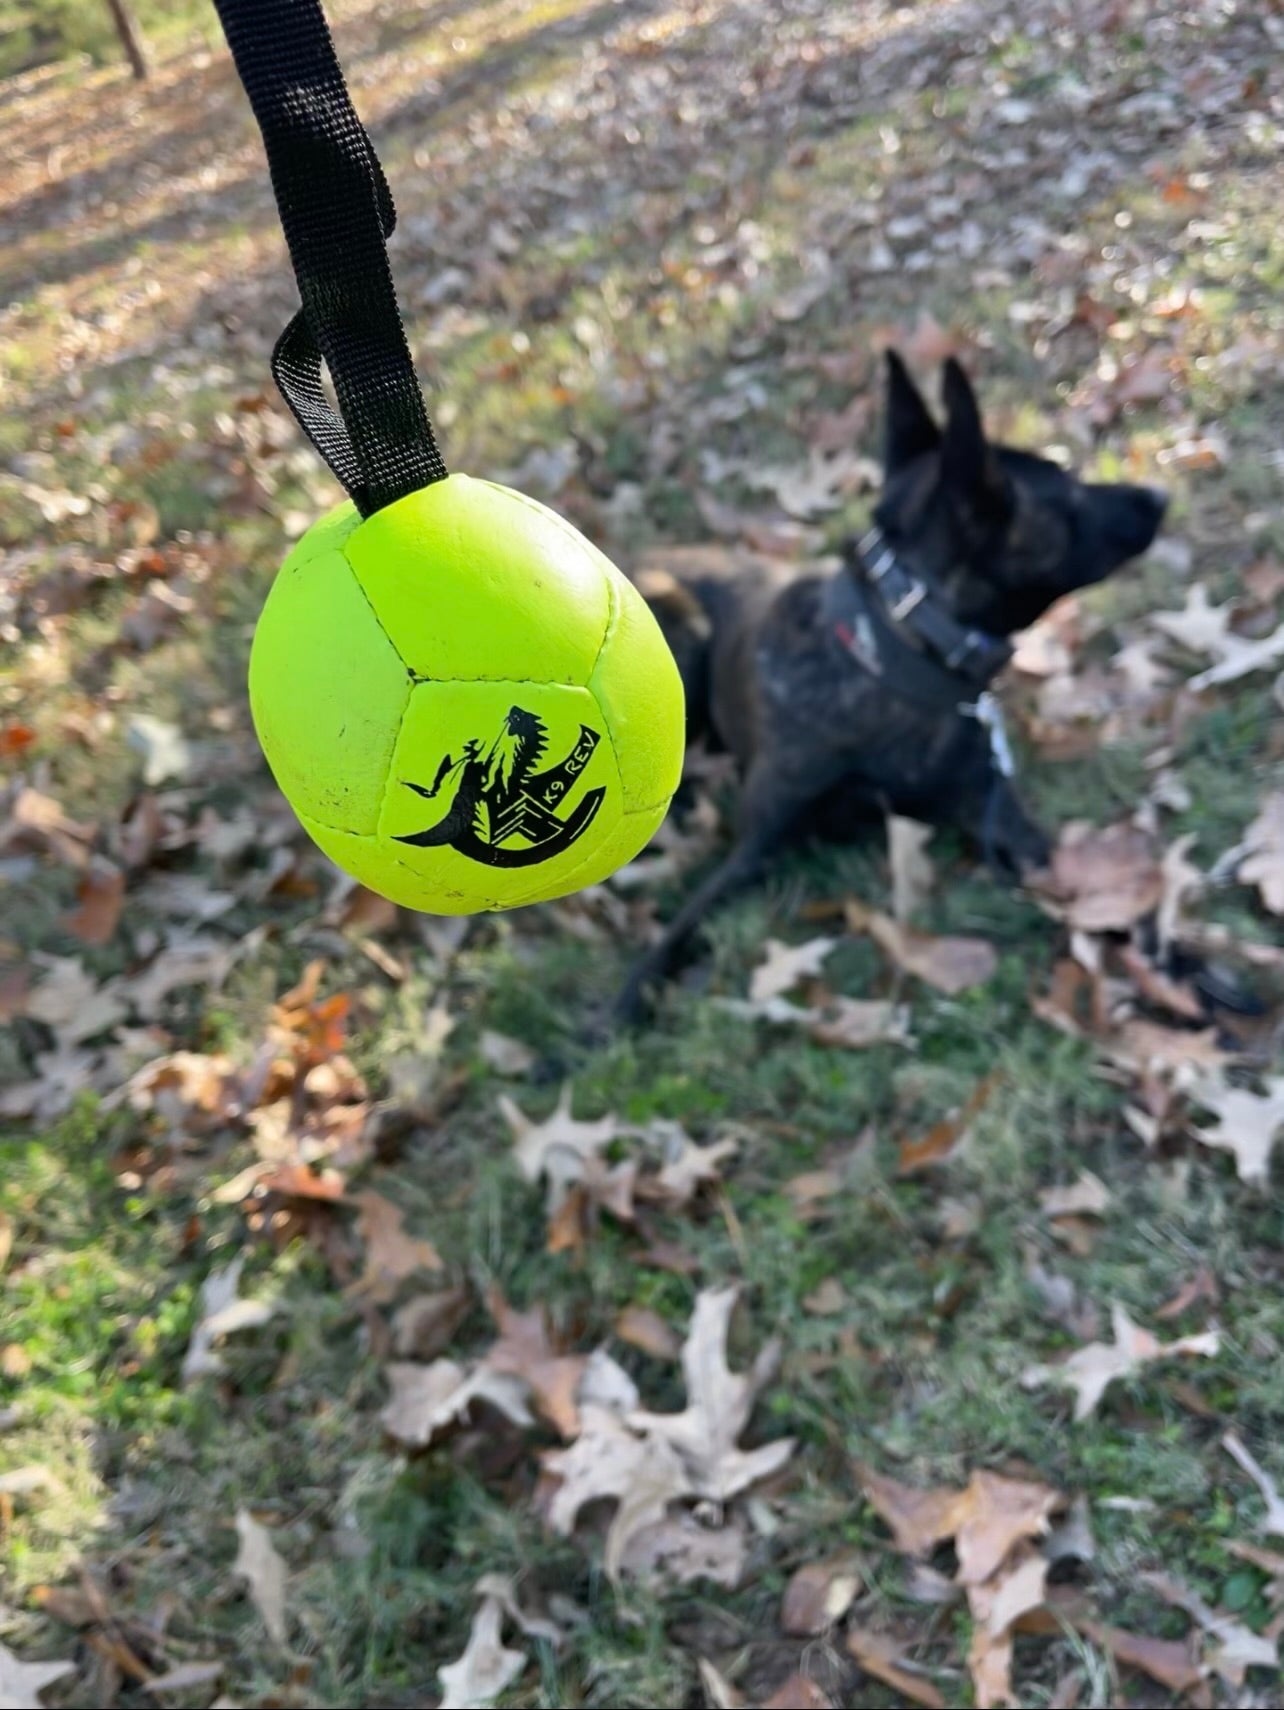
x,y
502,811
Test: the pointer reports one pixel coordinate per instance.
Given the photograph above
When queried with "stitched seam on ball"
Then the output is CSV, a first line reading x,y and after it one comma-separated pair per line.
x,y
612,613
382,802
392,755
373,613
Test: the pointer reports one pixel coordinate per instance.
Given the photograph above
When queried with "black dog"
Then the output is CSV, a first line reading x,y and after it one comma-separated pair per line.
x,y
866,689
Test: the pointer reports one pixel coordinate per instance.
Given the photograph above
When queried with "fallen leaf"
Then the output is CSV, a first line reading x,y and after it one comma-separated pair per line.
x,y
1103,880
557,1148
391,1255
985,1519
72,1004
222,1312
1248,1125
1087,1197
258,1563
505,1055
950,964
645,1329
943,1139
426,1400
486,1668
798,1692
1090,1370
881,1656
524,1351
818,1596
165,750
854,1024
101,896
1240,658
1169,1661
1263,862
1272,1522
785,965
718,1408
22,1683
1237,1647
685,1549
425,1326
611,1461
1200,626
912,870
504,1591
185,1678
998,1513
1201,1286
37,822
720,1693
186,961
687,1166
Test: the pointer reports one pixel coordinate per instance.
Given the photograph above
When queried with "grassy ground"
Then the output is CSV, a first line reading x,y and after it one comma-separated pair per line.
x,y
646,253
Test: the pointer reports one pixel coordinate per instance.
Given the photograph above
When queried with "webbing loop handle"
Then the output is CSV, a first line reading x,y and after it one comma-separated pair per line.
x,y
336,211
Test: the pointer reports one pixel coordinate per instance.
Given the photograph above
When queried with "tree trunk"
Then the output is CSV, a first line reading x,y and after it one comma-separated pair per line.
x,y
131,37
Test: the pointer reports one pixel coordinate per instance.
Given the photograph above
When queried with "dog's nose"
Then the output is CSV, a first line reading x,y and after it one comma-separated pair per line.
x,y
1157,499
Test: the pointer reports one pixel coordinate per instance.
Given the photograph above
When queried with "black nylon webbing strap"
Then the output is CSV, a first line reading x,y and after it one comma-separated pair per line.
x,y
336,211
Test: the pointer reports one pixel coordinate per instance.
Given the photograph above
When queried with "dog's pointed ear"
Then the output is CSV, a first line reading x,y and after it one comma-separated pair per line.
x,y
910,429
968,463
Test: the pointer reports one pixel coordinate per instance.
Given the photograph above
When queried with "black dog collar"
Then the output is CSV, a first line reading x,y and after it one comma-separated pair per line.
x,y
896,628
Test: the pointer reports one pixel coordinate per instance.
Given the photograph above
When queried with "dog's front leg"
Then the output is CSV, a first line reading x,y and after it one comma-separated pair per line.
x,y
1011,842
772,806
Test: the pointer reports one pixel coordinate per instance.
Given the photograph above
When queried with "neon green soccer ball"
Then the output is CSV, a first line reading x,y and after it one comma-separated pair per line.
x,y
465,702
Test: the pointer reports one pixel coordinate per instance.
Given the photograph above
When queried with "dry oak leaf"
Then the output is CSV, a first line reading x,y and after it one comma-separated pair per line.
x,y
609,1460
391,1254
1272,1522
1018,1588
687,1166
950,964
1238,1648
1263,862
22,1683
986,1518
1248,1125
911,867
486,1668
681,1547
559,1148
258,1563
818,1595
720,1402
1087,1197
426,1400
785,965
853,1024
100,896
222,1312
1200,627
524,1351
881,1657
1089,1371
1103,880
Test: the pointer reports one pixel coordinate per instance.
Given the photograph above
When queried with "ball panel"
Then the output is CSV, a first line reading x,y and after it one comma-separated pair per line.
x,y
327,692
637,686
328,534
498,791
473,581
367,859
